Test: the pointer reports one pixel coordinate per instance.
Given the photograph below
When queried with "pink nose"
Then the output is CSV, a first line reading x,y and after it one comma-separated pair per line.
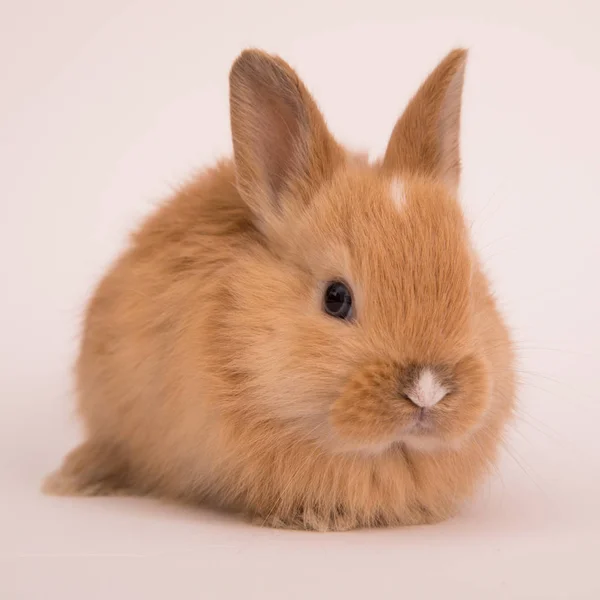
x,y
427,390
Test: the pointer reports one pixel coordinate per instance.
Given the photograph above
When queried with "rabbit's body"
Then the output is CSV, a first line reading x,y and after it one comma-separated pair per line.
x,y
209,372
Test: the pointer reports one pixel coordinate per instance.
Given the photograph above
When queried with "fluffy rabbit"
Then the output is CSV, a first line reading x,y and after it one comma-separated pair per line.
x,y
299,335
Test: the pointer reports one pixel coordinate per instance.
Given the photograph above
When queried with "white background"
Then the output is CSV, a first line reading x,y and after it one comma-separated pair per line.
x,y
105,105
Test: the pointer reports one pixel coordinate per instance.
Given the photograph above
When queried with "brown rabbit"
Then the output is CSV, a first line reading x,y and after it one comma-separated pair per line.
x,y
299,335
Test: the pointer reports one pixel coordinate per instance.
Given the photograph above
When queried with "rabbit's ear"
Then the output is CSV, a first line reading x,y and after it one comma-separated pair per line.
x,y
282,148
426,138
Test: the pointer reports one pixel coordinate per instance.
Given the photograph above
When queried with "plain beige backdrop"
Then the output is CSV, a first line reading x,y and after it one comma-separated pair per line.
x,y
106,105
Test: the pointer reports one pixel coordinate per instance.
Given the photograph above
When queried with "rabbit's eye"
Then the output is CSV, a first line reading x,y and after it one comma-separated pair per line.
x,y
338,300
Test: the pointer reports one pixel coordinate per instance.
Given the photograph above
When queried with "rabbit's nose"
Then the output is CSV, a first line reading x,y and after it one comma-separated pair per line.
x,y
425,388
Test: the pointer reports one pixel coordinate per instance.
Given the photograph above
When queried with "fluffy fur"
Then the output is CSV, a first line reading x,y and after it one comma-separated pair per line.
x,y
209,371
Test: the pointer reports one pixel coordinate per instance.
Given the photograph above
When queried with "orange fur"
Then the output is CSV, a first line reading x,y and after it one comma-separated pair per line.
x,y
209,372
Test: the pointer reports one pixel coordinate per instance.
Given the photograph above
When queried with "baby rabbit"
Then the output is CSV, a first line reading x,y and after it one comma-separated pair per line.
x,y
299,335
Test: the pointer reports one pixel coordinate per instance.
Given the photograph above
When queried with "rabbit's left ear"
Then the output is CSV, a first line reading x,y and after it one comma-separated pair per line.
x,y
426,138
282,147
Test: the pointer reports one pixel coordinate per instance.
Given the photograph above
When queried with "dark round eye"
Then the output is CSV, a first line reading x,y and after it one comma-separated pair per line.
x,y
338,300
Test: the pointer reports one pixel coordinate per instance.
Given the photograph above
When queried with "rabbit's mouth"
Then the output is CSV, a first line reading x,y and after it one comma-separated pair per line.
x,y
421,406
423,421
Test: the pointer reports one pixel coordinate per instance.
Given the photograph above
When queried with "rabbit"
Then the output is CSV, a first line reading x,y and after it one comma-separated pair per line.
x,y
300,336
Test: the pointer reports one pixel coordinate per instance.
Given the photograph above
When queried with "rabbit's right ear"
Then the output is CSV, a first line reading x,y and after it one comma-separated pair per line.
x,y
282,148
426,137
